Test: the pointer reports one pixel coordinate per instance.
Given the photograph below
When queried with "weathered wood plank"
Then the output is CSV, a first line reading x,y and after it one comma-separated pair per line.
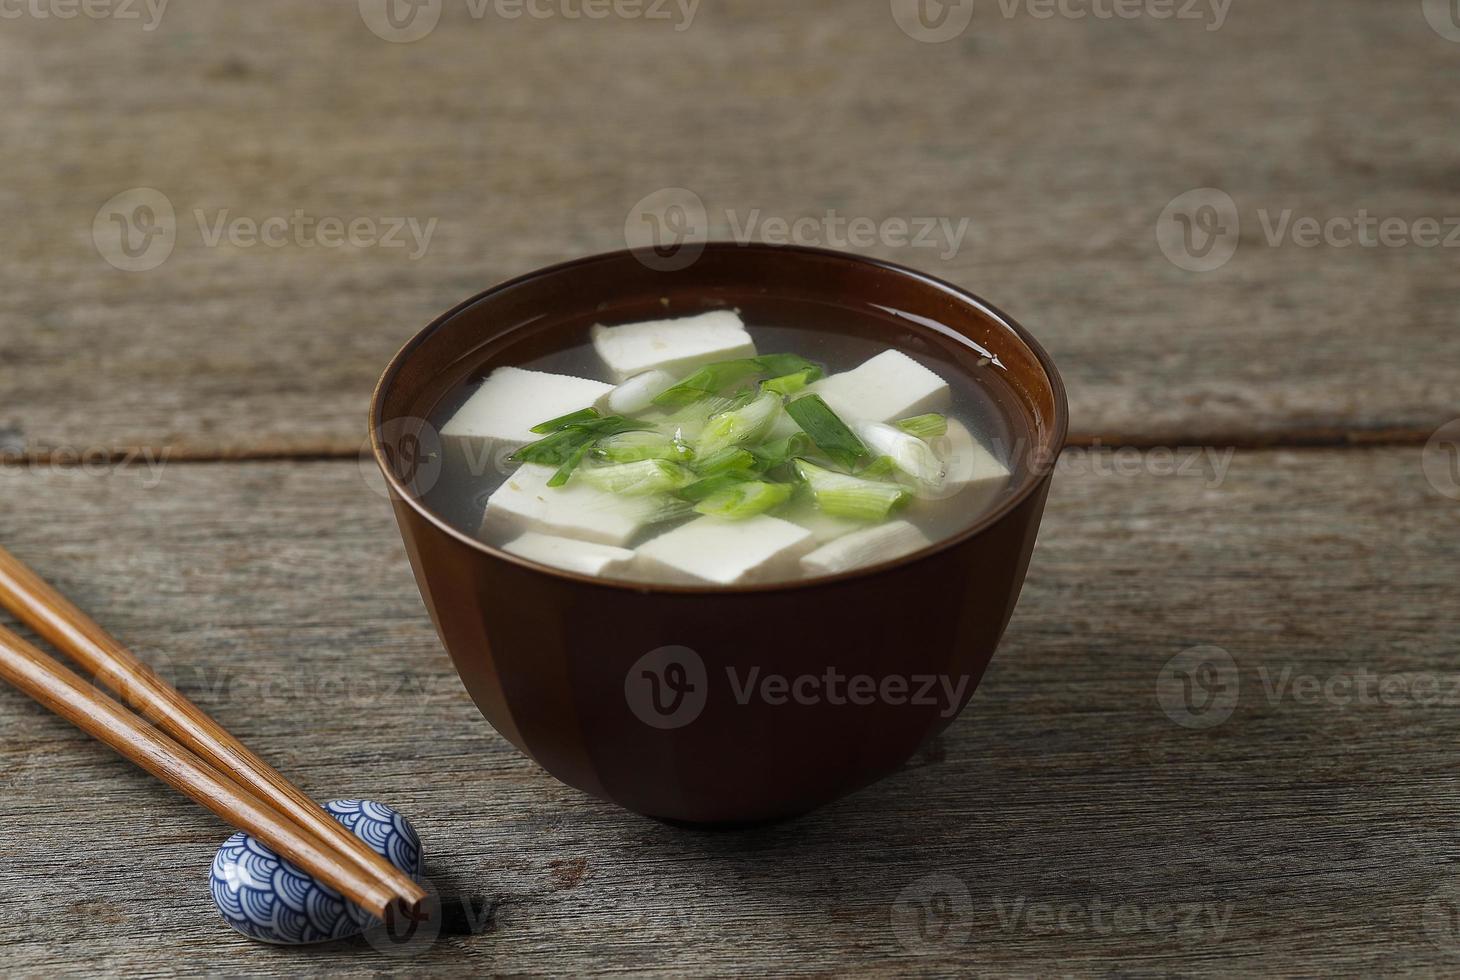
x,y
531,140
1298,836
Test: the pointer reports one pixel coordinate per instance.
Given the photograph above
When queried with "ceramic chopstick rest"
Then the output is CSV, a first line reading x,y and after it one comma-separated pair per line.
x,y
266,898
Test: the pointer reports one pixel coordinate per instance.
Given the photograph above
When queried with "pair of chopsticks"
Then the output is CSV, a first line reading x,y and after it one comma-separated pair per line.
x,y
204,762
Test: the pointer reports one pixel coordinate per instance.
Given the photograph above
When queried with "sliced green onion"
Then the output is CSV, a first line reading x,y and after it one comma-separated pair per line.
x,y
772,454
930,426
789,384
745,500
559,447
909,454
726,461
696,492
881,467
849,496
631,447
830,433
715,378
779,365
749,423
707,381
563,421
570,464
637,479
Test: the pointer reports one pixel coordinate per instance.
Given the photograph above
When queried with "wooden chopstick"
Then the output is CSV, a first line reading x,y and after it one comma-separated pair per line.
x,y
71,697
55,618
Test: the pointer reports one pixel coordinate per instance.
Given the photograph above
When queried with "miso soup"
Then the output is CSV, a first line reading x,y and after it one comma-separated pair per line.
x,y
730,446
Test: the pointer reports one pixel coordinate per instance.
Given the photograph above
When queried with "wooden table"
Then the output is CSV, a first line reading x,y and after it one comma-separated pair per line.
x,y
1251,469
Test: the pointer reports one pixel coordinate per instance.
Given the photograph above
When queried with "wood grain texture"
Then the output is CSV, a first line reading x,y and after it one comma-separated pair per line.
x,y
531,140
1300,836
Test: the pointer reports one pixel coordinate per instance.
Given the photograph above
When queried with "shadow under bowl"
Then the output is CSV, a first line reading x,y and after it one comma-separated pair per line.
x,y
637,693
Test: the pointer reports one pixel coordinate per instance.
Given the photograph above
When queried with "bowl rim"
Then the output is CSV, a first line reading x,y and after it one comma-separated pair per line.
x,y
1048,447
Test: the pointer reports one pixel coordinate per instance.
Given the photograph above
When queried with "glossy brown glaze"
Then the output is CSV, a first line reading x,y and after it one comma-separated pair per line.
x,y
555,660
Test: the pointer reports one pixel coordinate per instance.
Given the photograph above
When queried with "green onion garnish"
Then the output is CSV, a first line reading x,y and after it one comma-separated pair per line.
x,y
570,464
743,500
559,447
849,496
631,447
637,479
715,378
930,426
789,384
563,421
830,433
749,423
726,461
696,492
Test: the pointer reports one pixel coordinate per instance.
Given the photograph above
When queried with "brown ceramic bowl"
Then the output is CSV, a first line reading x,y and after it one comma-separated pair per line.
x,y
636,693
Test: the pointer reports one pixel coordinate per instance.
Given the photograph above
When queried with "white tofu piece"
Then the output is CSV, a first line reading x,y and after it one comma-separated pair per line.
x,y
638,393
676,346
584,557
886,388
970,463
711,549
524,502
498,418
871,545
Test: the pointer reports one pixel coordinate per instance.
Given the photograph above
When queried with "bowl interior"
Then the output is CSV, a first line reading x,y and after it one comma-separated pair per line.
x,y
534,316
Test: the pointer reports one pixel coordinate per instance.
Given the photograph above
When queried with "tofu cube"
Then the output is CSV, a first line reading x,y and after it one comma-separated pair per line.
x,y
710,549
879,543
886,388
498,417
676,346
971,465
524,502
584,557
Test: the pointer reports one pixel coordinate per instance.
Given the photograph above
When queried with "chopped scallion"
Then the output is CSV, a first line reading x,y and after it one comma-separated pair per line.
x,y
747,423
930,426
744,500
829,432
637,479
842,495
563,421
